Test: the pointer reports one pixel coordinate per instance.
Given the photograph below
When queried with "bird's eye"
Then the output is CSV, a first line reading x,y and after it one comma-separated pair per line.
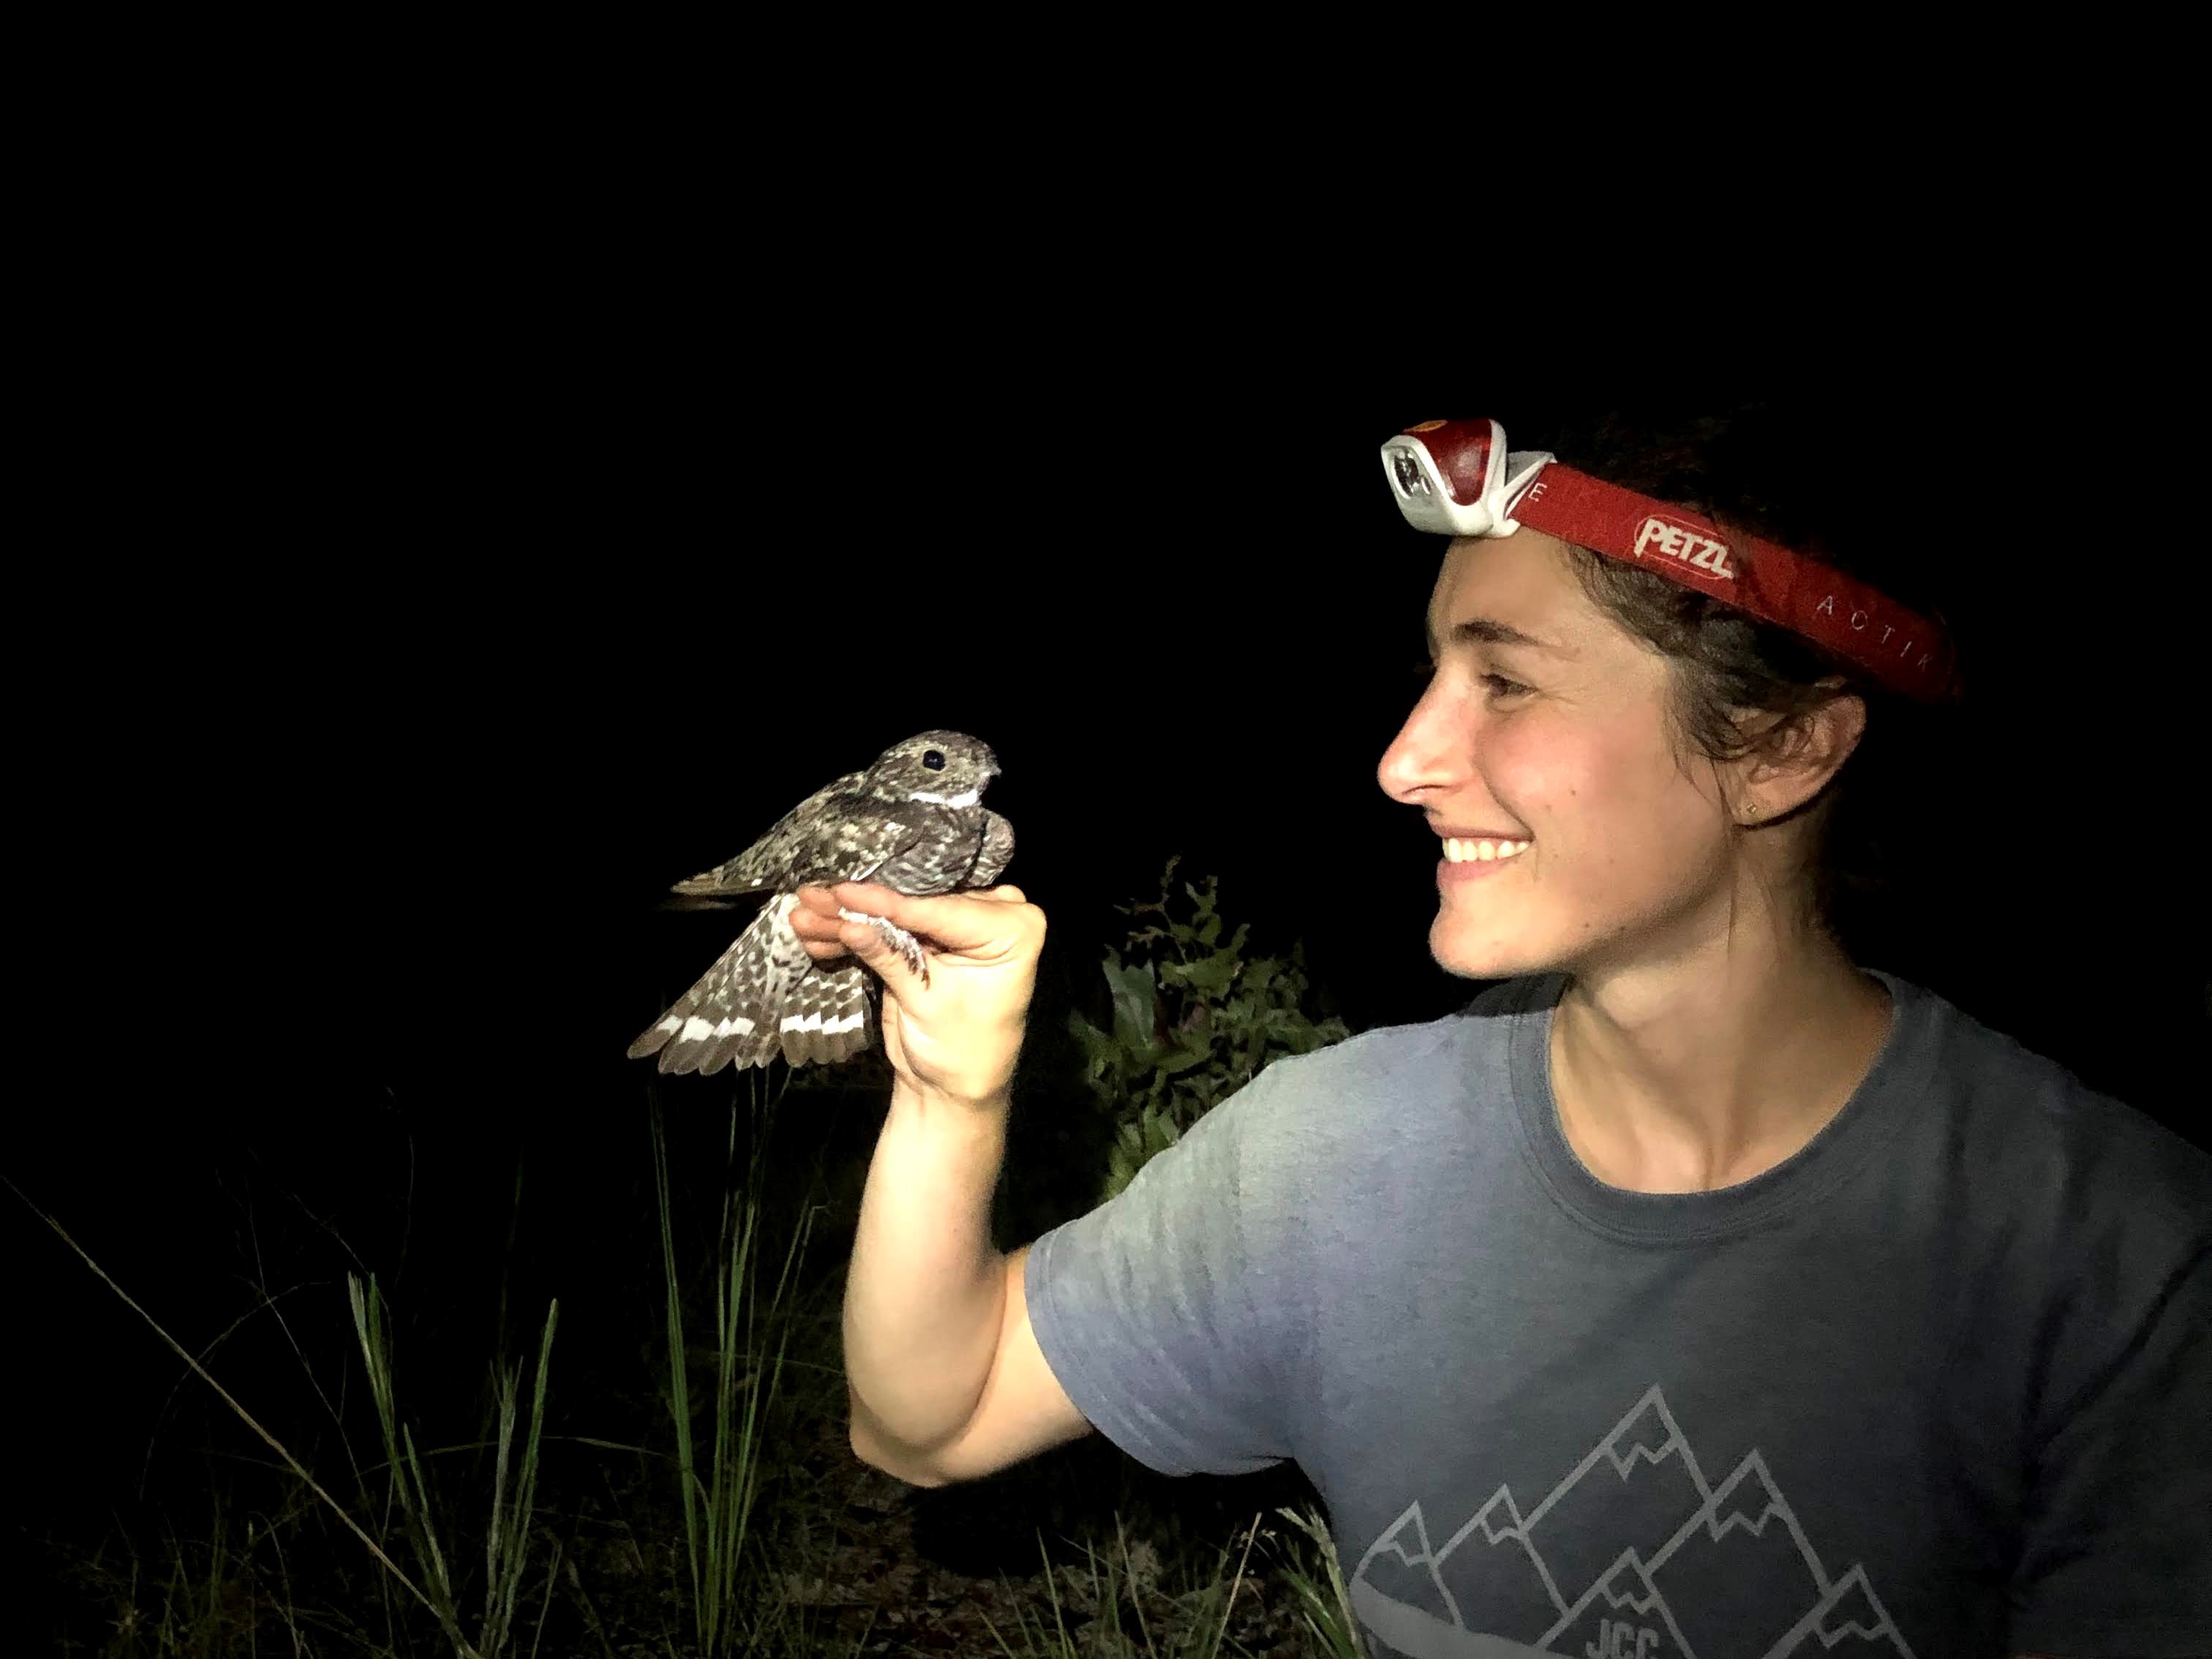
x,y
935,760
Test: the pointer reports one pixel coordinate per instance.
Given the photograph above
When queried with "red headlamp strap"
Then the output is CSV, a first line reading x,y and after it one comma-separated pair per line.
x,y
1902,649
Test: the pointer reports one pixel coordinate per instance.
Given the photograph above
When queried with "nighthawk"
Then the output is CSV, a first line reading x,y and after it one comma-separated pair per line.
x,y
913,822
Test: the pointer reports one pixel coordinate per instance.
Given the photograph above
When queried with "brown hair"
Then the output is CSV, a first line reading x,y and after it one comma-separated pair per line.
x,y
1799,477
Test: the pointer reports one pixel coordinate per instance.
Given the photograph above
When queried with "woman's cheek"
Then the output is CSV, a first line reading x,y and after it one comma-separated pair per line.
x,y
1532,773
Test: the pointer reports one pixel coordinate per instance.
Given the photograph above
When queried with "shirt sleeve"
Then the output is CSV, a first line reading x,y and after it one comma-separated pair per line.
x,y
2117,1539
1169,1312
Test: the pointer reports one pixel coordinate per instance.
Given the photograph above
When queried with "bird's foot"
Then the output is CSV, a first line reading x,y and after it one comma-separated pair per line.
x,y
908,946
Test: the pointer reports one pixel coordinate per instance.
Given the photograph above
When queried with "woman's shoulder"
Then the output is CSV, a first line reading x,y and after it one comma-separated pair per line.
x,y
1446,1047
1371,1092
2034,1129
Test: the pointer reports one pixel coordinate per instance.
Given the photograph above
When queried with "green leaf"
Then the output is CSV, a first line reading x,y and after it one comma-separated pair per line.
x,y
1136,1007
1180,1060
1211,976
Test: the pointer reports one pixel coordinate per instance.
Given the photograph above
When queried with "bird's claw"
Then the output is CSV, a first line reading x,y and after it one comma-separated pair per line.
x,y
908,946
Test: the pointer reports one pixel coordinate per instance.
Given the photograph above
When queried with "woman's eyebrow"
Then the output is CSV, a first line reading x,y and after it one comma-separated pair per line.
x,y
1488,631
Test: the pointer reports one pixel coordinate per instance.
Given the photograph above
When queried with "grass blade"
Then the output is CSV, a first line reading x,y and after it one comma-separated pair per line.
x,y
244,1416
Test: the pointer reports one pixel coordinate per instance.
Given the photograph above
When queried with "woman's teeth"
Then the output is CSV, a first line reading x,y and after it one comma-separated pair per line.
x,y
1484,852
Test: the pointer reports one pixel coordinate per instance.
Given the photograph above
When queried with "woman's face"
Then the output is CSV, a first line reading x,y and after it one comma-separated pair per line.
x,y
1561,743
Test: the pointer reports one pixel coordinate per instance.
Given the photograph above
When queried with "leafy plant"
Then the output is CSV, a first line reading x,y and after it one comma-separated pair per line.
x,y
1194,1019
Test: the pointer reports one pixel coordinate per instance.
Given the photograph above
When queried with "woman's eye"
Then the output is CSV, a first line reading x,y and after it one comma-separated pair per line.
x,y
1498,684
933,760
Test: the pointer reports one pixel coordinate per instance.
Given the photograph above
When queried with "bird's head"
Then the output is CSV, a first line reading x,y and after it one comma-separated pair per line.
x,y
946,768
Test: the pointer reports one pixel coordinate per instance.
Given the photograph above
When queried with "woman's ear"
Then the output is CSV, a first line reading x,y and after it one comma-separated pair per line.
x,y
1793,757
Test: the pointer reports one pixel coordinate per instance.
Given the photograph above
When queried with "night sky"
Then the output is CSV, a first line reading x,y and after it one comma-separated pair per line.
x,y
440,652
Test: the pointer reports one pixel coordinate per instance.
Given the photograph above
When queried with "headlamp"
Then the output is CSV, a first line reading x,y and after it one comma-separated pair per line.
x,y
1466,484
1456,478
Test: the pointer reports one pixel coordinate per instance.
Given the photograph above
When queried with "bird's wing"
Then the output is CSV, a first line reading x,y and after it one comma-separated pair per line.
x,y
762,999
998,850
856,846
769,862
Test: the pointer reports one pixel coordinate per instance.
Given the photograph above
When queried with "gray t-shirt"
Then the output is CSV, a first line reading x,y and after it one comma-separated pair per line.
x,y
1941,1383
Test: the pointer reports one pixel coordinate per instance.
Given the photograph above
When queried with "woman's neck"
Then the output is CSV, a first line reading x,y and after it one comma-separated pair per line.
x,y
1701,1075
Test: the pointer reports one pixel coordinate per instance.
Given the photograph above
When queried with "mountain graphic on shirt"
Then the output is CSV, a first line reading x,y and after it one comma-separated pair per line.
x,y
1632,1491
1633,1554
1849,1620
1724,1564
1623,1611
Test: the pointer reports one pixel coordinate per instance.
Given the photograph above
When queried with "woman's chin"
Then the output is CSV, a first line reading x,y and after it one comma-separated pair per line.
x,y
1470,957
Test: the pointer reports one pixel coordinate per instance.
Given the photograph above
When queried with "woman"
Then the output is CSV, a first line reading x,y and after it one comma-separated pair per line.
x,y
1695,1291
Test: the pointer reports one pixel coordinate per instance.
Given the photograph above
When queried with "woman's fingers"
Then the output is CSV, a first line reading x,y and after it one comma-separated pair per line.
x,y
816,919
964,923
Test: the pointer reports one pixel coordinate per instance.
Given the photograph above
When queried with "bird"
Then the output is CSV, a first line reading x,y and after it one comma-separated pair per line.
x,y
914,822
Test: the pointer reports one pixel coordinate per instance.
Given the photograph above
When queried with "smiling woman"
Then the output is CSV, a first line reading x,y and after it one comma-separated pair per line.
x,y
1698,1288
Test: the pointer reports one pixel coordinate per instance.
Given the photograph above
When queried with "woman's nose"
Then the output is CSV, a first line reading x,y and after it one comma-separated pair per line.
x,y
1421,755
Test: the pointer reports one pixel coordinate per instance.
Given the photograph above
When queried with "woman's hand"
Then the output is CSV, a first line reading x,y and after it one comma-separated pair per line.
x,y
957,1037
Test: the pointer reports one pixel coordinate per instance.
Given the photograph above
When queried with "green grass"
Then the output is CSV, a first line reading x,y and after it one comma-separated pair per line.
x,y
745,1527
718,1502
514,1485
